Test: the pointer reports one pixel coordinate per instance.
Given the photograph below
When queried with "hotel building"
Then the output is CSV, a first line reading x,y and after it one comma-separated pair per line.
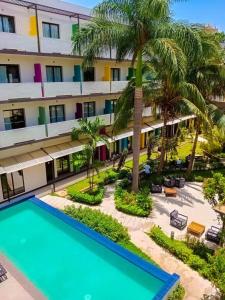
x,y
44,92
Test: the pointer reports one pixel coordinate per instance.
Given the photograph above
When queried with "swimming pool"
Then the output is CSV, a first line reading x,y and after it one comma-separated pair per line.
x,y
66,260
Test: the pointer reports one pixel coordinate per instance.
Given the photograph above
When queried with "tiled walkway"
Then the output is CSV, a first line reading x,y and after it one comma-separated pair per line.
x,y
194,284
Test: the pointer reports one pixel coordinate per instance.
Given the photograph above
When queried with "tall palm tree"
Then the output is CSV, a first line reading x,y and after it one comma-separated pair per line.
x,y
208,74
91,130
132,27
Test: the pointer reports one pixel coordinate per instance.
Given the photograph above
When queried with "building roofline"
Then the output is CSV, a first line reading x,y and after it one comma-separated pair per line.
x,y
49,9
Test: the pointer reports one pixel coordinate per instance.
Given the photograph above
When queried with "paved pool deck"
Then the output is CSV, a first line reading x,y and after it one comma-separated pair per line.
x,y
189,201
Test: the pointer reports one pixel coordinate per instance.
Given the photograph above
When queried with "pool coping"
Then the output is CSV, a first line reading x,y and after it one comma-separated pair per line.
x,y
170,281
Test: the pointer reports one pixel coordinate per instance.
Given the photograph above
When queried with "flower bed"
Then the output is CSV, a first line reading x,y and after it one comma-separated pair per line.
x,y
139,204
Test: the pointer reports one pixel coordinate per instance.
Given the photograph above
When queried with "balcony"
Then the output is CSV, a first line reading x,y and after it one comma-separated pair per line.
x,y
54,89
18,42
13,137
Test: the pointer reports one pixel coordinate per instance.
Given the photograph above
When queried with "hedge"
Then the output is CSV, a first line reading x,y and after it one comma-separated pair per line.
x,y
100,222
92,197
139,204
181,251
178,293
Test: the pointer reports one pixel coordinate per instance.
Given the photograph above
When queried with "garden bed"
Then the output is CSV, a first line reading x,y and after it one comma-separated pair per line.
x,y
139,204
90,197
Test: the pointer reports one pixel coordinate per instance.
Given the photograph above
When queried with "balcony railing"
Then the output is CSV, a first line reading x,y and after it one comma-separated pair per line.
x,y
12,137
54,89
14,41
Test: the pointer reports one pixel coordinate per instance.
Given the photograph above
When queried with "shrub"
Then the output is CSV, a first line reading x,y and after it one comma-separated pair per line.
x,y
102,223
181,251
124,183
124,173
178,293
139,204
91,197
110,177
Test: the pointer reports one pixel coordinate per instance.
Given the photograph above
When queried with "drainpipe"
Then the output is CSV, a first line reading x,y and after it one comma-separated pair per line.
x,y
37,28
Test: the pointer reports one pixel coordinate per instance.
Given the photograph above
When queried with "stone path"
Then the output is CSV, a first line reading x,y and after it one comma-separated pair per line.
x,y
195,286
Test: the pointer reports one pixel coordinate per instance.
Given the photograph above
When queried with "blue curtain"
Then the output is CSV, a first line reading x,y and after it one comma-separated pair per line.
x,y
3,75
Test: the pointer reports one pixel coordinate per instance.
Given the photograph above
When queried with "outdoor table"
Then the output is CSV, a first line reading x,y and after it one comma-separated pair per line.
x,y
196,229
170,192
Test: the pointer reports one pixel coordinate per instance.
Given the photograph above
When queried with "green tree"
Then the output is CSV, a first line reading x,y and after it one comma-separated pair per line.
x,y
218,271
214,192
208,74
133,27
91,130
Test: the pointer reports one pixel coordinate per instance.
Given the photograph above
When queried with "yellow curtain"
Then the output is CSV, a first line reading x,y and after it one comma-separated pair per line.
x,y
33,26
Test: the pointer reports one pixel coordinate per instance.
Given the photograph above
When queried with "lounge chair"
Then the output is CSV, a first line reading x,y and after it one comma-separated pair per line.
x,y
156,188
3,272
178,220
213,234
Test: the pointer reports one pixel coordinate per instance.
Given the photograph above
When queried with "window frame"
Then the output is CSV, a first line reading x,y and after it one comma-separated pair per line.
x,y
113,74
88,109
50,30
7,72
50,114
14,109
7,195
13,23
53,68
61,171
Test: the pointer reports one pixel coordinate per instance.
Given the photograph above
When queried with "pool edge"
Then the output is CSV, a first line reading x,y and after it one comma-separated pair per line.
x,y
170,281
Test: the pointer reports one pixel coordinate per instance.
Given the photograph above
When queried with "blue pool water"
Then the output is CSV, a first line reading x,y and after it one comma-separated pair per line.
x,y
64,263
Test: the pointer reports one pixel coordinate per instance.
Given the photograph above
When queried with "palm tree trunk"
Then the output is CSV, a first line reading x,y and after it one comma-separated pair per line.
x,y
138,97
163,145
192,158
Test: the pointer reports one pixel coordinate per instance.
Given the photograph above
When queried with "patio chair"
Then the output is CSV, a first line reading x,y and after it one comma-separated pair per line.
x,y
3,272
180,182
156,188
178,220
169,182
213,234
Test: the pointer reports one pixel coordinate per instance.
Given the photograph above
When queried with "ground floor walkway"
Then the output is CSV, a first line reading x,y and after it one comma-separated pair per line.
x,y
196,286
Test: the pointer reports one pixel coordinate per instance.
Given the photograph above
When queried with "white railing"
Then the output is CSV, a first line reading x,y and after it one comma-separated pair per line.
x,y
49,45
53,89
118,86
20,90
55,129
14,136
11,137
18,42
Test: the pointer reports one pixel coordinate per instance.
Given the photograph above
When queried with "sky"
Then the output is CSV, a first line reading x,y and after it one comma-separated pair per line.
x,y
195,11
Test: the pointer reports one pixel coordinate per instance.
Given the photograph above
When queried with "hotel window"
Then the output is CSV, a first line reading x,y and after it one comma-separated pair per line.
x,y
115,74
7,24
12,184
14,118
89,109
57,113
9,74
50,30
89,74
63,165
54,73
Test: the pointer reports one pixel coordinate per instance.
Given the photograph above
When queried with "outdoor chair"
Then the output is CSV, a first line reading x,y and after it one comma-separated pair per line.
x,y
213,234
3,272
178,220
169,182
180,182
156,188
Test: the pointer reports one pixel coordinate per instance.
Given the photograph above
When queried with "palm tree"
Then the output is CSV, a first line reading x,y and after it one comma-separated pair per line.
x,y
91,130
208,74
134,28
